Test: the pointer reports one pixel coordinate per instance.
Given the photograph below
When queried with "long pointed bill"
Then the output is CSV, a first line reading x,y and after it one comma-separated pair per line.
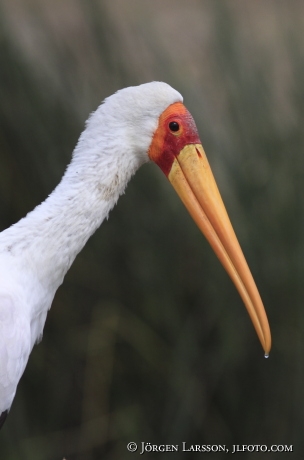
x,y
192,178
177,150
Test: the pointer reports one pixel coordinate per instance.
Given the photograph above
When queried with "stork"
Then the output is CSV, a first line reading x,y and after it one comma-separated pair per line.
x,y
131,127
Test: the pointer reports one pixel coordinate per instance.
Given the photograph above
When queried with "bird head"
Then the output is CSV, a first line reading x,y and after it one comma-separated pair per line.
x,y
151,122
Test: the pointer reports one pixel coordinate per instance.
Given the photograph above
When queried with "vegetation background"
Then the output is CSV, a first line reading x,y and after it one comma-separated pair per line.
x,y
147,339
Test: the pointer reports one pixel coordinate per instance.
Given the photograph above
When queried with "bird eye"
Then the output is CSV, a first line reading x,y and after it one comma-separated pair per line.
x,y
174,126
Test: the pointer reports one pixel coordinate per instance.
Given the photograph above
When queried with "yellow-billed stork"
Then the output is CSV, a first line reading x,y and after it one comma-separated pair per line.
x,y
131,127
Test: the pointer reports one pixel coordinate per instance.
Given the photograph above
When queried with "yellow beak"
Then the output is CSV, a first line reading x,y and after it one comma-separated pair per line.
x,y
192,178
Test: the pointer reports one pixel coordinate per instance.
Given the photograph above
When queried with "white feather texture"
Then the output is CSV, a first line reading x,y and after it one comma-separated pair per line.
x,y
36,252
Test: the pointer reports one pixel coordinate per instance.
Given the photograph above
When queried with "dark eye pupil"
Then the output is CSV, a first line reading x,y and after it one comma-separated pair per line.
x,y
174,126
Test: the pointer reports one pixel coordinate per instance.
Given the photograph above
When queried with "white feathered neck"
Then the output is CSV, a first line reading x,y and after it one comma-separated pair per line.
x,y
112,147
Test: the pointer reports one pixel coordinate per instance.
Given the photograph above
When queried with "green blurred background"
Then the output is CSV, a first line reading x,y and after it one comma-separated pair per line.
x,y
147,339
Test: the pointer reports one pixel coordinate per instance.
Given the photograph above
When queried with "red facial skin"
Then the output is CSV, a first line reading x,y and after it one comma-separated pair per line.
x,y
167,144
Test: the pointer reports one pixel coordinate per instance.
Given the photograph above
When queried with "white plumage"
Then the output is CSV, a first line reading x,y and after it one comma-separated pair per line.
x,y
36,252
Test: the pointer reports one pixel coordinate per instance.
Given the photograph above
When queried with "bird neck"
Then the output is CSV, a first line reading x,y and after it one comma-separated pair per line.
x,y
50,236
